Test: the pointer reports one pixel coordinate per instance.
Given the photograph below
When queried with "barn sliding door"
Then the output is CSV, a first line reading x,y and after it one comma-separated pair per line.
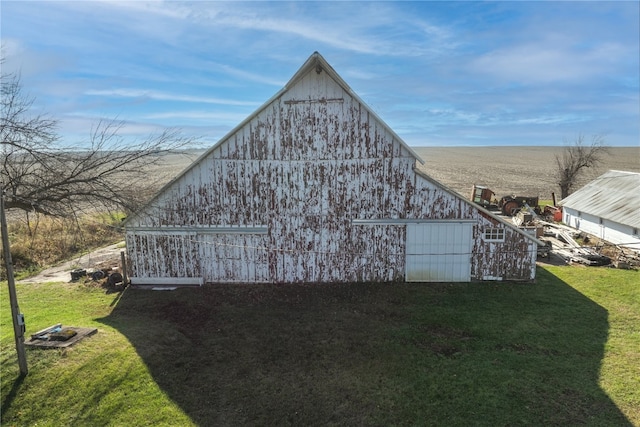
x,y
439,252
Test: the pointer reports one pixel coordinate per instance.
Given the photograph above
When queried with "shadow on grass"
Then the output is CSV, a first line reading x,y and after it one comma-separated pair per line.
x,y
375,354
13,392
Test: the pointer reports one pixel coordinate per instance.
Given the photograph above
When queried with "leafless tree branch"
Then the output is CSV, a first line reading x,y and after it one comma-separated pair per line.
x,y
577,157
40,175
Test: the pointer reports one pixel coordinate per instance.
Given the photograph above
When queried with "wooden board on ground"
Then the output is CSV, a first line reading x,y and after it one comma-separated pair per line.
x,y
80,334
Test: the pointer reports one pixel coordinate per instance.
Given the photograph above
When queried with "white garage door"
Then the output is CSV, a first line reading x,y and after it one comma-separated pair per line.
x,y
439,251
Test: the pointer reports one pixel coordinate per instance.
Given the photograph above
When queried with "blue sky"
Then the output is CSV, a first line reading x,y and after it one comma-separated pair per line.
x,y
438,73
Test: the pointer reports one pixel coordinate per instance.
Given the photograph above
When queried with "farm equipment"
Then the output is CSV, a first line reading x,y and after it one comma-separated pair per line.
x,y
552,213
511,205
508,205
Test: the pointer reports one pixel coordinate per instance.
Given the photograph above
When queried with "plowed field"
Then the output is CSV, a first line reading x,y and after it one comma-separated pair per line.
x,y
525,171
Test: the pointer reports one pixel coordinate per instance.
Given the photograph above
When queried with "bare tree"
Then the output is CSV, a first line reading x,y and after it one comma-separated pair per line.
x,y
577,157
40,174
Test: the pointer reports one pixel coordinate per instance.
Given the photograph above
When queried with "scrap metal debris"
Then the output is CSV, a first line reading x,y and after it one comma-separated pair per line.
x,y
560,239
565,246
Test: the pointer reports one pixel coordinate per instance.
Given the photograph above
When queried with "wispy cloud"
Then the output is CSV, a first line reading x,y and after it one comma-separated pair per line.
x,y
245,75
433,70
550,63
162,96
209,116
371,30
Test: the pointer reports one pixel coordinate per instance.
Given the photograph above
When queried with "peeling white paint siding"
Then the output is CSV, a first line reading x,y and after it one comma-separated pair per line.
x,y
305,166
164,255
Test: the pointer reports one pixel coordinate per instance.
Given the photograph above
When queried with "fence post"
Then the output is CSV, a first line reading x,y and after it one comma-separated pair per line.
x,y
123,261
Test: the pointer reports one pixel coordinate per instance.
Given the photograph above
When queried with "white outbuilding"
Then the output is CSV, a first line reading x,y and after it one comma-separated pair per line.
x,y
608,208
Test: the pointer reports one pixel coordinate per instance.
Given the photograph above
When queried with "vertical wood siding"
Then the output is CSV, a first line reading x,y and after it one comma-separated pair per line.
x,y
163,255
306,166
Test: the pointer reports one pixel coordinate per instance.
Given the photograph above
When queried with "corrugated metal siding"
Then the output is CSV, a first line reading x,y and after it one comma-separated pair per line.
x,y
306,166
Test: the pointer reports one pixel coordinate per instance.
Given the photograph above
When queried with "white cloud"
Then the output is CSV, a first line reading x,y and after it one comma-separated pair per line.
x,y
375,29
542,63
176,10
549,120
162,96
244,75
25,62
209,116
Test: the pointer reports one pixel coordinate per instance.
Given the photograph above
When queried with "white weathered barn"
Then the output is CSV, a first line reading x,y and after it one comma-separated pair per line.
x,y
608,208
315,187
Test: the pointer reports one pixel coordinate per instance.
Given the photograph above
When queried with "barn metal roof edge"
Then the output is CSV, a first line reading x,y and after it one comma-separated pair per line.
x,y
478,207
613,196
310,63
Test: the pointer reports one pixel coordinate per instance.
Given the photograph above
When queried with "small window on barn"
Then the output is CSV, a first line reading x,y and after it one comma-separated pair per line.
x,y
494,235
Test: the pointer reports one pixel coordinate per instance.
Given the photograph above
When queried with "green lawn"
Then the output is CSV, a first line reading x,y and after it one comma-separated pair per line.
x,y
563,351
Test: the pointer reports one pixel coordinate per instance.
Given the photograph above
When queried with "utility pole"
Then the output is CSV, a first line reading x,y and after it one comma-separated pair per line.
x,y
18,318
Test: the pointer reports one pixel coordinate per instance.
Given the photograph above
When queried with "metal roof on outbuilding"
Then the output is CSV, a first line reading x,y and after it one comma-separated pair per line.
x,y
614,195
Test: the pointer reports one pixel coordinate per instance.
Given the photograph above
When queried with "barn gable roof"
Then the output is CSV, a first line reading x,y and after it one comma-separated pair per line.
x,y
314,62
613,196
317,63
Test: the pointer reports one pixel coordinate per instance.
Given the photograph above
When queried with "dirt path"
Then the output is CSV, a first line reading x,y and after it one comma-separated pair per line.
x,y
105,257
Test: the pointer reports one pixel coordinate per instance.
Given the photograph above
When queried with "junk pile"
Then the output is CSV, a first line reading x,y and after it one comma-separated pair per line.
x,y
545,224
103,266
624,258
112,276
508,205
621,257
564,245
560,240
